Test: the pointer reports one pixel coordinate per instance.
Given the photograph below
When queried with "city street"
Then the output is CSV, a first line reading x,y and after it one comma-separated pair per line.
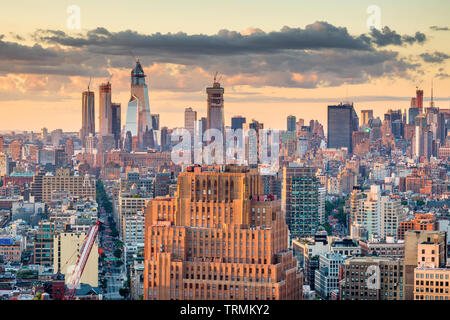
x,y
113,275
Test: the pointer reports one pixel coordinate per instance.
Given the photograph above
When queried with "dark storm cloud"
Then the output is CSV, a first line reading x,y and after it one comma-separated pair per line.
x,y
387,37
436,28
318,55
436,57
319,35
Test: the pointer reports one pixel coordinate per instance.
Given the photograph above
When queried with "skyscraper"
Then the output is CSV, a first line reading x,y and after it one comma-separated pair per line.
x,y
301,201
237,122
419,100
190,118
105,112
116,122
219,239
290,126
139,90
215,108
155,121
366,115
341,124
88,116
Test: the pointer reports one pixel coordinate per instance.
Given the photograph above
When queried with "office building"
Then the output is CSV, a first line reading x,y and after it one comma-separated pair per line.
x,y
43,243
215,108
116,115
87,116
301,201
412,241
290,125
342,121
219,239
66,249
372,278
190,120
237,122
64,180
105,112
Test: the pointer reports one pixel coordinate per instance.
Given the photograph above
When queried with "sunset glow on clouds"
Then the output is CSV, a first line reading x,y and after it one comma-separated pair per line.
x,y
292,69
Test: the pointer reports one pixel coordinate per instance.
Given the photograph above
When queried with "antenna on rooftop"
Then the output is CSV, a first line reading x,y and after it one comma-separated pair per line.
x,y
89,84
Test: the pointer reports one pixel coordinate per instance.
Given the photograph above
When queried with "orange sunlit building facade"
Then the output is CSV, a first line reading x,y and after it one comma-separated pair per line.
x,y
218,239
421,222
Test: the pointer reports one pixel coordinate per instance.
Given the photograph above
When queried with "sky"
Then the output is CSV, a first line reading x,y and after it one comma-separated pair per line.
x,y
274,58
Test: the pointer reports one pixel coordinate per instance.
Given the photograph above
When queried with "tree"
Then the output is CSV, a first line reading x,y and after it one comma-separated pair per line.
x,y
118,253
124,292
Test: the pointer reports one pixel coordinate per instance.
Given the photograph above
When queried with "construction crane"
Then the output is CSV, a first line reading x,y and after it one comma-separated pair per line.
x,y
74,278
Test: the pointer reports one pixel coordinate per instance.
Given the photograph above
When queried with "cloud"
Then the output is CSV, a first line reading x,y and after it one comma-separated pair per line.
x,y
318,55
436,28
436,57
387,37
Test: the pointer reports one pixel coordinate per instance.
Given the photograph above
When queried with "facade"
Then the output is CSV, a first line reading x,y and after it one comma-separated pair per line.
x,y
63,180
139,90
290,125
359,280
237,122
307,252
392,214
43,243
218,240
301,201
365,209
327,276
105,112
215,108
116,123
190,119
87,116
341,124
67,247
412,241
432,274
389,249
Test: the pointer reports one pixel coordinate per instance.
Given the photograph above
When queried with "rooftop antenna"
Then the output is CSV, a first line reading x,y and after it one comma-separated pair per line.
x,y
215,76
89,84
110,77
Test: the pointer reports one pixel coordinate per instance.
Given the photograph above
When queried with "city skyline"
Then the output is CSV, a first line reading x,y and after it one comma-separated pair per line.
x,y
296,65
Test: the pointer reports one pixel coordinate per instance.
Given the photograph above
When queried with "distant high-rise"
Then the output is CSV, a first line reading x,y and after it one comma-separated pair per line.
x,y
155,121
237,122
341,124
105,112
139,118
116,122
88,116
419,100
190,118
140,90
366,116
215,108
291,120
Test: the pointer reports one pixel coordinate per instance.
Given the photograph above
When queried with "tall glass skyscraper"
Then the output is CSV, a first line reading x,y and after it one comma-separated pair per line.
x,y
138,111
301,201
291,120
341,124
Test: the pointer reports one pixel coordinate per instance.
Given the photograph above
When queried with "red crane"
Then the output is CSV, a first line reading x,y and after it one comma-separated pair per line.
x,y
75,277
